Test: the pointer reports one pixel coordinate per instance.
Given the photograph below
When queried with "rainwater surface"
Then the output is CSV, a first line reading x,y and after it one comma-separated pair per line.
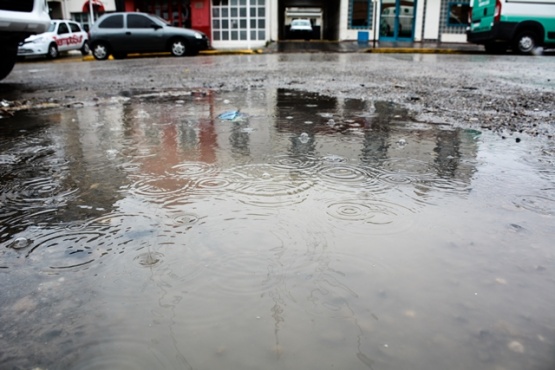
x,y
297,231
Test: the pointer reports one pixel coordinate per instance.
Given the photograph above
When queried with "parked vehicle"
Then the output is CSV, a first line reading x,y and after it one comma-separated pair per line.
x,y
60,37
122,33
18,20
300,28
300,25
521,25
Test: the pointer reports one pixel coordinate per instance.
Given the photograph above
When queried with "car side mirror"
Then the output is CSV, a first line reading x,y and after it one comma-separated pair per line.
x,y
155,26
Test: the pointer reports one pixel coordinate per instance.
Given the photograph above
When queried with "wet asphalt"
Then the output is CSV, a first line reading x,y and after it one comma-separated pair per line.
x,y
508,94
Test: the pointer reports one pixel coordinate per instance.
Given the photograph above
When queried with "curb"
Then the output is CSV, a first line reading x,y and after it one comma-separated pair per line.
x,y
232,52
419,51
383,50
89,58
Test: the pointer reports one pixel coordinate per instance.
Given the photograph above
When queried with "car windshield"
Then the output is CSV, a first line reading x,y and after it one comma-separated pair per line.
x,y
300,22
52,27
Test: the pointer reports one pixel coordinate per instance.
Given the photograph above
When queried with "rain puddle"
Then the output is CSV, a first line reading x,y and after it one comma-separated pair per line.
x,y
271,230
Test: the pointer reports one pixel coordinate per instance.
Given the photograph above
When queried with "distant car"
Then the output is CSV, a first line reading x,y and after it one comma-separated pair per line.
x,y
18,20
300,25
300,28
122,33
60,37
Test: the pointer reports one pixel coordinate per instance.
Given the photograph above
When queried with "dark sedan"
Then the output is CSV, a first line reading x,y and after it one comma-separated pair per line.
x,y
119,34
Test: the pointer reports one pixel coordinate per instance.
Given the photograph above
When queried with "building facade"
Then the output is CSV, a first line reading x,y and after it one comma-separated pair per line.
x,y
253,23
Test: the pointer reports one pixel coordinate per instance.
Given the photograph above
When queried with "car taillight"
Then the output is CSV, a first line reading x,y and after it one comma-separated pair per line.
x,y
497,12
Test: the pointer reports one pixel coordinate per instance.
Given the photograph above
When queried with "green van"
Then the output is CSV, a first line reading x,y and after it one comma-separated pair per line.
x,y
519,25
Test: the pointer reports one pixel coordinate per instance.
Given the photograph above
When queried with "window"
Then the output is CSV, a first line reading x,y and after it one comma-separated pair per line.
x,y
139,21
458,14
114,21
81,18
74,27
361,14
238,20
62,29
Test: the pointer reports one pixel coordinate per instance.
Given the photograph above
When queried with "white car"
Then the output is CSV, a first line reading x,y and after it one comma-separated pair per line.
x,y
60,37
18,20
301,25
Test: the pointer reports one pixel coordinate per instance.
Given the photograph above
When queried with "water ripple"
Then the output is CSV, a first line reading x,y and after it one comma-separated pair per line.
x,y
241,273
294,162
383,216
405,171
212,184
68,250
345,177
266,185
544,205
120,352
194,169
160,187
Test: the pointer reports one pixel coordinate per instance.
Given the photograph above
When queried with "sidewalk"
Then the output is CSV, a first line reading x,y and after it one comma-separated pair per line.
x,y
371,47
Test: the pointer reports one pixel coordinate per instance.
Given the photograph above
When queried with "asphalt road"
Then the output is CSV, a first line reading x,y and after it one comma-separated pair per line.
x,y
504,93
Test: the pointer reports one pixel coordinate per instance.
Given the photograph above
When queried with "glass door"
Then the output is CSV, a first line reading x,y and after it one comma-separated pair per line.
x,y
397,20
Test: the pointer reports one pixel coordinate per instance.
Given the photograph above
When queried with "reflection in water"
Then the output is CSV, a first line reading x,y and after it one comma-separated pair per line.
x,y
315,233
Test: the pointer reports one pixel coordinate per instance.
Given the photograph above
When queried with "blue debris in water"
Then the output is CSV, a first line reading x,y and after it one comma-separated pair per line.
x,y
233,115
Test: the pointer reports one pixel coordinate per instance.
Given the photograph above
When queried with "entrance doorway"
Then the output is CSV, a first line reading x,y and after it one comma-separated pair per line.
x,y
324,16
313,15
397,20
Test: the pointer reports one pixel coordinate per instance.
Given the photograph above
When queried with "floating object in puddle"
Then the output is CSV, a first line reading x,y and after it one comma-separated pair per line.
x,y
233,115
402,142
304,138
20,243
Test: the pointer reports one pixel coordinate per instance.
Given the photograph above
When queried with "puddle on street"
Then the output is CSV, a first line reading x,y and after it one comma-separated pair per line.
x,y
295,231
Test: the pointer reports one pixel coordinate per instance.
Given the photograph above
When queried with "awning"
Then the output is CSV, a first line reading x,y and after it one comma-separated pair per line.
x,y
98,7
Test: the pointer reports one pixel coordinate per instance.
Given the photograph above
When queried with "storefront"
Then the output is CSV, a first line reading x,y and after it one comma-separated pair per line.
x,y
177,12
253,23
180,13
240,23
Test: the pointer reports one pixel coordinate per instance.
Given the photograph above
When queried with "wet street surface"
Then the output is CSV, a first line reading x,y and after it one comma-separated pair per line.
x,y
278,225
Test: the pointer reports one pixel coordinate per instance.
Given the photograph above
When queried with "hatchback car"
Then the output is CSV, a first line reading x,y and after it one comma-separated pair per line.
x,y
119,34
60,37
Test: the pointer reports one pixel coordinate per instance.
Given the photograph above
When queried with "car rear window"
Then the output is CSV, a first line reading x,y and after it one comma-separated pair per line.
x,y
113,21
300,23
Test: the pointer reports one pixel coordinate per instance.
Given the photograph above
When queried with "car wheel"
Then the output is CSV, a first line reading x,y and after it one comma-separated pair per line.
x,y
178,47
52,51
9,57
525,42
85,49
100,51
